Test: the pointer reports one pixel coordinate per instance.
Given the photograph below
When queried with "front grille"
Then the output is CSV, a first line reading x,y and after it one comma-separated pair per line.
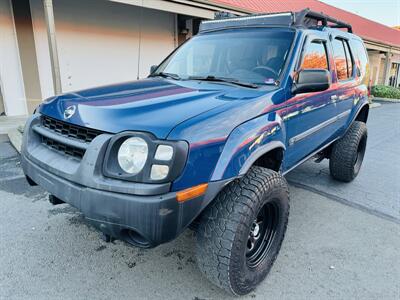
x,y
69,150
82,134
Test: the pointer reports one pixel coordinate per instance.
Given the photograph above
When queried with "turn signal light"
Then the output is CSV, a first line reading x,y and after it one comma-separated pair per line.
x,y
191,193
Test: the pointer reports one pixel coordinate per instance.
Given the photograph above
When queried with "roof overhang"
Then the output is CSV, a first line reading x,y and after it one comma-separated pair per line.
x,y
199,9
379,46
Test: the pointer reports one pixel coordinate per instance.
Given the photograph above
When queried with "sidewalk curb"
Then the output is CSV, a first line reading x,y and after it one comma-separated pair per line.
x,y
386,100
374,105
15,136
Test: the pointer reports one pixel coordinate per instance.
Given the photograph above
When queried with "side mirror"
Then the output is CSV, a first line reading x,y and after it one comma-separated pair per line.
x,y
311,80
153,68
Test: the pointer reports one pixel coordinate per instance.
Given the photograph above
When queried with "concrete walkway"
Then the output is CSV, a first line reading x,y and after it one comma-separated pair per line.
x,y
13,127
9,123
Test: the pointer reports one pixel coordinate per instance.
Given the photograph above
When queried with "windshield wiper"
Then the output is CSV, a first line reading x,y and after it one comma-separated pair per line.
x,y
166,75
224,79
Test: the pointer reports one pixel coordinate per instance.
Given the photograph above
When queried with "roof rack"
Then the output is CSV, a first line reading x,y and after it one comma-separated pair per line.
x,y
305,18
308,18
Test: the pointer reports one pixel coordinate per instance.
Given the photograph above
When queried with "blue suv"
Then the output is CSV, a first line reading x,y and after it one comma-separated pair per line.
x,y
206,139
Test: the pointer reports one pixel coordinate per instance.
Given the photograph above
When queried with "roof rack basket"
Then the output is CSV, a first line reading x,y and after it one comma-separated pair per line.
x,y
305,18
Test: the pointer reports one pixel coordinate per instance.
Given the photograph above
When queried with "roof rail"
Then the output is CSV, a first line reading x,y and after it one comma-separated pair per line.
x,y
305,18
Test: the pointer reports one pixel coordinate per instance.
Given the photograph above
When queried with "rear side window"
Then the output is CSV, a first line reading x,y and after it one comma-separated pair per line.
x,y
349,59
339,56
315,56
361,58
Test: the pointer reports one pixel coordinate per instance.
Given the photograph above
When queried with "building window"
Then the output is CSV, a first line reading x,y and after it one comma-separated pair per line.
x,y
394,75
315,56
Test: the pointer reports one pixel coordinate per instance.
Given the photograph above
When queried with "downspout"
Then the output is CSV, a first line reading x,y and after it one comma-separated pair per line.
x,y
140,40
51,34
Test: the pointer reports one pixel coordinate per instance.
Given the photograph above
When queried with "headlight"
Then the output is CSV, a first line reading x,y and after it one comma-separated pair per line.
x,y
132,155
140,157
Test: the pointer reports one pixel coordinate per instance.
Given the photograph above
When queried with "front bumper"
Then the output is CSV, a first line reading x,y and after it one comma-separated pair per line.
x,y
144,215
154,219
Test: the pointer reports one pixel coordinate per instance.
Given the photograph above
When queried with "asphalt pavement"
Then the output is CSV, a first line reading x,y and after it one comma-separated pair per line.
x,y
343,240
377,187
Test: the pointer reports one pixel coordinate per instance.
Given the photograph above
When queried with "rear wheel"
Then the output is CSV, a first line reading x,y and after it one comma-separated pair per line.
x,y
348,153
240,234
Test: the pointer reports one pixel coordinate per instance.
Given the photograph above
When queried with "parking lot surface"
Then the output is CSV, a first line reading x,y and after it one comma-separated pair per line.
x,y
377,187
342,242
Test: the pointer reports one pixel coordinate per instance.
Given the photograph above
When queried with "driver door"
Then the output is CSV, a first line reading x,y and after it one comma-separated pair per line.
x,y
309,118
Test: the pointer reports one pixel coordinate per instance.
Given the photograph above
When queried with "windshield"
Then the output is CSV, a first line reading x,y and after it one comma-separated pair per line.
x,y
255,56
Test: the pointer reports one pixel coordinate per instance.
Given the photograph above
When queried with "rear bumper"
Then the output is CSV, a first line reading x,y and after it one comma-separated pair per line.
x,y
144,215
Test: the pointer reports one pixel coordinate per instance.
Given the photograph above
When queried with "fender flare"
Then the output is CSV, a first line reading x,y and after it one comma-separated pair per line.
x,y
254,136
260,152
353,118
366,104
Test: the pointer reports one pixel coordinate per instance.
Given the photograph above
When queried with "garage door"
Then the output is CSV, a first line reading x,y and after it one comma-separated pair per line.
x,y
102,42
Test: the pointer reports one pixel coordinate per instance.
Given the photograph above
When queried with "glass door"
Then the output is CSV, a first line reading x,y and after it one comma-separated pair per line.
x,y
394,75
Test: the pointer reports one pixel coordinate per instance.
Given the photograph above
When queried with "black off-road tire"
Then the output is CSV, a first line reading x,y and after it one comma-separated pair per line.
x,y
348,153
225,227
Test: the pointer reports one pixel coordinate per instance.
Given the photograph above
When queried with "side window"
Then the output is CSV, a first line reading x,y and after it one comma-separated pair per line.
x,y
349,59
339,56
315,56
361,59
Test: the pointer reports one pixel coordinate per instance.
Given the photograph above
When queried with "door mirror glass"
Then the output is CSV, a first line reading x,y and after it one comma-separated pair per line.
x,y
311,80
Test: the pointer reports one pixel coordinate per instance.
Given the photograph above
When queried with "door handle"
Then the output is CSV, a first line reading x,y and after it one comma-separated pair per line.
x,y
345,97
334,98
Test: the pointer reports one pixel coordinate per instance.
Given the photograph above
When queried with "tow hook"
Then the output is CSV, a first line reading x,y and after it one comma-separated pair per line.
x,y
54,200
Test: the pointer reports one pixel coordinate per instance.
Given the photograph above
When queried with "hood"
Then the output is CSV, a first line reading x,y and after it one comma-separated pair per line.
x,y
153,105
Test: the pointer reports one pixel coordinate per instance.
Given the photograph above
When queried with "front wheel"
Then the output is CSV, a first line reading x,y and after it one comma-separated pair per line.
x,y
348,153
240,234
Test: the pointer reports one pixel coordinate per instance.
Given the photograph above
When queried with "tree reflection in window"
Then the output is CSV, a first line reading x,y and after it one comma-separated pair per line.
x,y
340,59
315,56
361,58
